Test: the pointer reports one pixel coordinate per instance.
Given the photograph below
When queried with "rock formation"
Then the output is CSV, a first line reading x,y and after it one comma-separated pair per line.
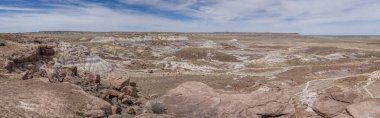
x,y
81,56
347,104
194,99
33,98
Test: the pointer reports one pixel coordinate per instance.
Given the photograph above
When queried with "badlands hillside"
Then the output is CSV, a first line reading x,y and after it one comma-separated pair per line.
x,y
188,75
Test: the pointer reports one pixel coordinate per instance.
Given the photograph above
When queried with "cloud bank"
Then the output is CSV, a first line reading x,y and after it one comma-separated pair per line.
x,y
334,17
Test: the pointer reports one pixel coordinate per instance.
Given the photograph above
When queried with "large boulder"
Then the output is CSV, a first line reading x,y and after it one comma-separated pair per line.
x,y
70,71
130,90
119,83
92,77
334,102
327,107
366,109
33,98
95,114
195,99
347,97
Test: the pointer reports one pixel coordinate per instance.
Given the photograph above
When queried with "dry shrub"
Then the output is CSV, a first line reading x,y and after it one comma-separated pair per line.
x,y
154,106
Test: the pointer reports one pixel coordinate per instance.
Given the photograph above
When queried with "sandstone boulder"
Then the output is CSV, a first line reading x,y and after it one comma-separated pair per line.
x,y
130,90
347,96
95,114
70,71
119,83
92,77
328,107
109,93
32,54
35,99
116,110
365,109
195,99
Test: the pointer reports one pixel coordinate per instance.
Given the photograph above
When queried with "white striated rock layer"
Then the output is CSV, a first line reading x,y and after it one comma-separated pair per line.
x,y
80,56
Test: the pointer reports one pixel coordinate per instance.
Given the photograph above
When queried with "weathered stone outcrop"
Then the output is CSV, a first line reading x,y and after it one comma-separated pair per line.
x,y
34,54
346,104
33,98
195,99
119,83
369,108
81,56
328,107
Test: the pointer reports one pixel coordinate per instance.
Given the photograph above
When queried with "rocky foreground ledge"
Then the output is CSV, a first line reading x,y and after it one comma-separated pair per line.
x,y
36,82
195,99
49,79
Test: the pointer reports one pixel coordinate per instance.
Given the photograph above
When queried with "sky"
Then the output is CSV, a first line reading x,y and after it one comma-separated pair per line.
x,y
311,17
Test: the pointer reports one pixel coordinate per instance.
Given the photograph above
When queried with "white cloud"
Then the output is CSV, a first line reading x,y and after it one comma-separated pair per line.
x,y
95,18
304,16
16,8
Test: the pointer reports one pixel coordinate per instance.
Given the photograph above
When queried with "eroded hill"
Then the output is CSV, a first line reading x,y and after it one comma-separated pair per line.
x,y
188,75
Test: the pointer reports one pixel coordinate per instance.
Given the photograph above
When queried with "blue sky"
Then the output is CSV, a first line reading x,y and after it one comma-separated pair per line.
x,y
330,17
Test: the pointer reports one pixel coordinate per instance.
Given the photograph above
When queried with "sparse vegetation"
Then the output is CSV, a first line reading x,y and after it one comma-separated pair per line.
x,y
154,106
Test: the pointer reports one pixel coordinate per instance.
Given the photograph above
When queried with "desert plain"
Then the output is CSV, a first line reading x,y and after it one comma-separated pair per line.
x,y
188,75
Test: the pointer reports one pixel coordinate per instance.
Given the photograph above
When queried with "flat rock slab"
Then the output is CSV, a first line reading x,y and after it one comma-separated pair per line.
x,y
34,98
365,109
195,99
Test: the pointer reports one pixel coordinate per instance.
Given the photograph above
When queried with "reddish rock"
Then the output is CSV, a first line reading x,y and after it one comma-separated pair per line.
x,y
365,109
328,107
110,92
95,114
195,99
59,100
129,90
92,77
116,110
126,100
119,83
70,71
129,110
347,97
